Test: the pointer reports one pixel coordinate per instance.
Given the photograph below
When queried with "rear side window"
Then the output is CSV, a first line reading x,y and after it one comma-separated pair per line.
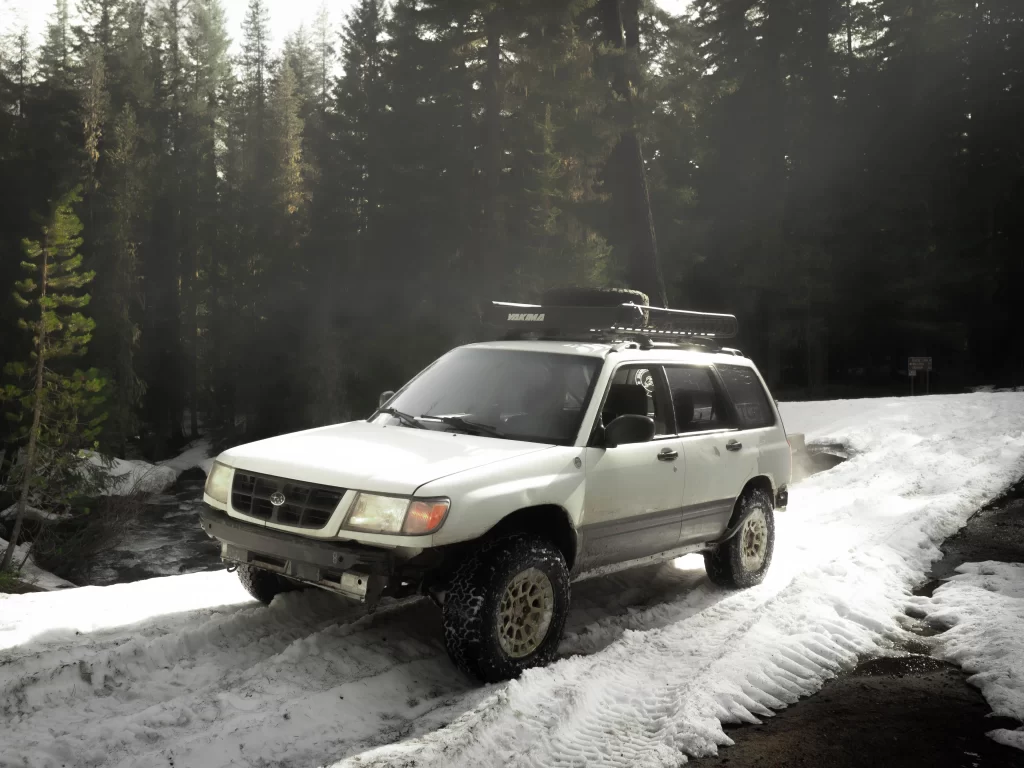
x,y
697,404
747,394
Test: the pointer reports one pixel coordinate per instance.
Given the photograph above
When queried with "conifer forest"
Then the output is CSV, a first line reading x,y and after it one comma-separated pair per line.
x,y
210,230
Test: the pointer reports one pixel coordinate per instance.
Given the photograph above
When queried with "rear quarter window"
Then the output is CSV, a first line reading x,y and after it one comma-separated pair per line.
x,y
753,408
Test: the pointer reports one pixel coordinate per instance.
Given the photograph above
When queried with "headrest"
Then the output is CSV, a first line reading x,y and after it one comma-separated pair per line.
x,y
682,401
626,399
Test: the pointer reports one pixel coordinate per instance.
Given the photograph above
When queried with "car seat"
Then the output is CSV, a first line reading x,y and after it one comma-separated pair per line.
x,y
624,399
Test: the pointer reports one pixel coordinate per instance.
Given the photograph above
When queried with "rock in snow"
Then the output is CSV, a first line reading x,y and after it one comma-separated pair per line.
x,y
187,668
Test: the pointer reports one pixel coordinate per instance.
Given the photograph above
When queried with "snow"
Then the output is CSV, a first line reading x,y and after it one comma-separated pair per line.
x,y
138,476
196,454
654,662
32,573
983,606
31,513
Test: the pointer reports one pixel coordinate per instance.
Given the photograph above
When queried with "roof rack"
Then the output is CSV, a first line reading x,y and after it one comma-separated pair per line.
x,y
613,323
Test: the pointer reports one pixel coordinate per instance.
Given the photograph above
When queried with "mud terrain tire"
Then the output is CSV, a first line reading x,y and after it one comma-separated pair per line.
x,y
735,564
264,585
482,595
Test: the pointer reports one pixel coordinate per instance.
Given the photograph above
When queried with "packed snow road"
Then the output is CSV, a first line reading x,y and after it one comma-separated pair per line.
x,y
187,671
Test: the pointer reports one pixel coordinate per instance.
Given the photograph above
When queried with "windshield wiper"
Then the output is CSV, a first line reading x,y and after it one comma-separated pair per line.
x,y
471,427
405,418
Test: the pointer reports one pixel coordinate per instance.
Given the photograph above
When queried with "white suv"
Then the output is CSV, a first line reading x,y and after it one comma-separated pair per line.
x,y
506,470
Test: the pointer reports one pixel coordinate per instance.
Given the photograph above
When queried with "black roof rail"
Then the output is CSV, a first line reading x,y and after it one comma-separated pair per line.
x,y
616,322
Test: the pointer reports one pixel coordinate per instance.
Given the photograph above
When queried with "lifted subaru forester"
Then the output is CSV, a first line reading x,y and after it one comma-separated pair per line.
x,y
591,439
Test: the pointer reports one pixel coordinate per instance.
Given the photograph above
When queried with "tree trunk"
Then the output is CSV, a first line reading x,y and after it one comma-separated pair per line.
x,y
818,196
849,32
627,172
490,245
37,414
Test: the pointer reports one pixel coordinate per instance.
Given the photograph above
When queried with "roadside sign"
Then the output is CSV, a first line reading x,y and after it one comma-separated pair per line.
x,y
915,364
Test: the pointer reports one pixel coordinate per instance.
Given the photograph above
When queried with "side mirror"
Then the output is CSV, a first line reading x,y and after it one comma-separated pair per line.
x,y
629,429
385,396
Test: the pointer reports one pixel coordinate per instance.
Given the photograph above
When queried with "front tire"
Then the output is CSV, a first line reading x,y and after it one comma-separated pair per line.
x,y
264,585
505,608
743,560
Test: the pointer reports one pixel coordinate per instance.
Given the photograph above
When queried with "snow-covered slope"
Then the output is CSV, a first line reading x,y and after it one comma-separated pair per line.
x,y
187,669
984,608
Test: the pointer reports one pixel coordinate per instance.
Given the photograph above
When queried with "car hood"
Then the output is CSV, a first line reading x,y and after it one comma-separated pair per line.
x,y
373,457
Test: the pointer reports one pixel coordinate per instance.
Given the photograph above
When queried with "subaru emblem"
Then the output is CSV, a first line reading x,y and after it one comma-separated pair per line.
x,y
277,498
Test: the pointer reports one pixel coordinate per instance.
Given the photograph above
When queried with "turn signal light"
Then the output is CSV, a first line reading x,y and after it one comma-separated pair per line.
x,y
425,516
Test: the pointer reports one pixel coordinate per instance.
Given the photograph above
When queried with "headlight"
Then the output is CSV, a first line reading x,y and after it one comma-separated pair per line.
x,y
377,514
218,484
394,514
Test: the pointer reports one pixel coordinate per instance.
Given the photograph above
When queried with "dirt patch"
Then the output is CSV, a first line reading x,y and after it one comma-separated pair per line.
x,y
994,533
910,711
907,711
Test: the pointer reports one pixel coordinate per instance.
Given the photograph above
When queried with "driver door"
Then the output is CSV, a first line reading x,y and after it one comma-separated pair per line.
x,y
634,493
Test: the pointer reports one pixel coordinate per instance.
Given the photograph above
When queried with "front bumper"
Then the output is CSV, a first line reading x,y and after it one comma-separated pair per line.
x,y
354,570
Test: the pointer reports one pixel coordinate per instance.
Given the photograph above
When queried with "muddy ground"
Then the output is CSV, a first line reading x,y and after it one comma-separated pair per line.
x,y
901,712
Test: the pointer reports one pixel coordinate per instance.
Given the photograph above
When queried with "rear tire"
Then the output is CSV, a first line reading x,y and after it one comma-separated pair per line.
x,y
744,559
264,585
505,608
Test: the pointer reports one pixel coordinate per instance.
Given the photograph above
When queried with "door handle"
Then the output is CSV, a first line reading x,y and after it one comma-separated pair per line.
x,y
733,445
667,454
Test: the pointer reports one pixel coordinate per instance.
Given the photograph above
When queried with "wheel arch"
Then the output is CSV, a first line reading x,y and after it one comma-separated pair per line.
x,y
550,521
760,482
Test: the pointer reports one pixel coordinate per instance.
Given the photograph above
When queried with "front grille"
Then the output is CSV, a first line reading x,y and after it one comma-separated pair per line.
x,y
306,505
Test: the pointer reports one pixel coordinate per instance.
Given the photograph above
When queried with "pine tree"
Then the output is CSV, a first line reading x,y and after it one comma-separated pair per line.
x,y
124,200
55,55
102,28
58,406
361,105
324,57
626,173
208,71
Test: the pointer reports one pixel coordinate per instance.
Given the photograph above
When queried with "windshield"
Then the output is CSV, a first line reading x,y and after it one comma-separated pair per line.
x,y
534,396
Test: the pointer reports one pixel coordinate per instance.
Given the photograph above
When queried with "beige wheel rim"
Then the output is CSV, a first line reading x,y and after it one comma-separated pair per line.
x,y
754,541
525,613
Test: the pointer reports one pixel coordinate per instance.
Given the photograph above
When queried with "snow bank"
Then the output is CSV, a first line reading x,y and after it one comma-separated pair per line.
x,y
984,609
137,476
197,454
187,669
45,619
32,574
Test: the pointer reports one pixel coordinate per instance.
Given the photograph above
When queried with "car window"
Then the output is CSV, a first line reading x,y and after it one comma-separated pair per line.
x,y
534,396
696,401
637,390
748,395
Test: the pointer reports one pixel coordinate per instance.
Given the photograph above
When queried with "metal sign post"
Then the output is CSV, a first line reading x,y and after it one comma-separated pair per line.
x,y
915,364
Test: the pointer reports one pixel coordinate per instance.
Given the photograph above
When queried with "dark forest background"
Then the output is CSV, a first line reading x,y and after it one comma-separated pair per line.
x,y
281,234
